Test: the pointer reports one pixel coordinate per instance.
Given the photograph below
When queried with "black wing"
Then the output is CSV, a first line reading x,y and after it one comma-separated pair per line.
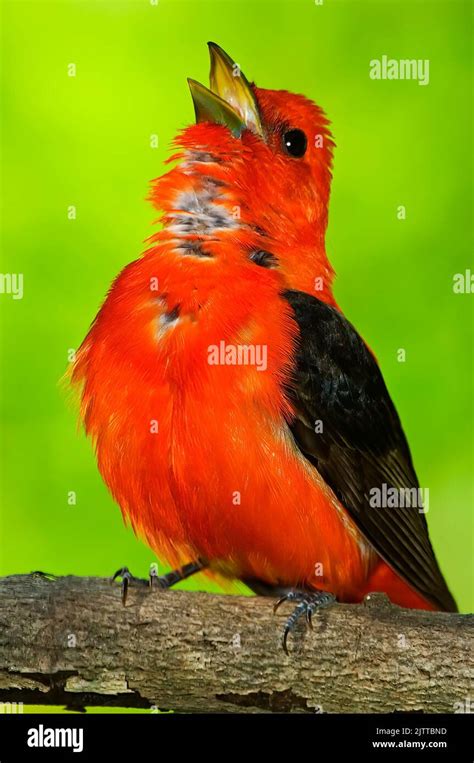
x,y
362,445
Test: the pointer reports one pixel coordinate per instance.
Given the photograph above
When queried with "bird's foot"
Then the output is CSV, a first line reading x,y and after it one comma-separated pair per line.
x,y
128,579
307,602
155,581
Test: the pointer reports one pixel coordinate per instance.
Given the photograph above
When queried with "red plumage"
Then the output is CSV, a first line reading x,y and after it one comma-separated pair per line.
x,y
200,457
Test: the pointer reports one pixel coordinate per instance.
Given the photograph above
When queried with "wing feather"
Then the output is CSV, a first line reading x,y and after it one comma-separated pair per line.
x,y
362,445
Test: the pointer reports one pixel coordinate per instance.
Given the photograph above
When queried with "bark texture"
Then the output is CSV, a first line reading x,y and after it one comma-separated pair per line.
x,y
70,642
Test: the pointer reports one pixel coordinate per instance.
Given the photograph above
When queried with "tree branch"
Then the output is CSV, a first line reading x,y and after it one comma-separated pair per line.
x,y
70,642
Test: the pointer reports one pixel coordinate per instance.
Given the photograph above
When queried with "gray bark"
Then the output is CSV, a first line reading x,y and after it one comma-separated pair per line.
x,y
69,641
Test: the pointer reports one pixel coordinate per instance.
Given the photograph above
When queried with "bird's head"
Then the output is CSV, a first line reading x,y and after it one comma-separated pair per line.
x,y
256,165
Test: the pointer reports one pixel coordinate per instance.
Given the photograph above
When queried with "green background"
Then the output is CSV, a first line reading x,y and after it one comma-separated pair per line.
x,y
85,141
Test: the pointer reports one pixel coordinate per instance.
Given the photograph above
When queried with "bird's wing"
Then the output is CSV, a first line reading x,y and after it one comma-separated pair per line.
x,y
337,383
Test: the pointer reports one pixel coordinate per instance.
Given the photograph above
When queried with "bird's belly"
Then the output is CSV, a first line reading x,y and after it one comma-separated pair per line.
x,y
219,477
201,461
251,504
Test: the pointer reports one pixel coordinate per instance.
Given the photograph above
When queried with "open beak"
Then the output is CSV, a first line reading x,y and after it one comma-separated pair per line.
x,y
230,101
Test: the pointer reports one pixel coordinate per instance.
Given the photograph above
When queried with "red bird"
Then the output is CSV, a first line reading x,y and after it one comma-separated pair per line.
x,y
239,420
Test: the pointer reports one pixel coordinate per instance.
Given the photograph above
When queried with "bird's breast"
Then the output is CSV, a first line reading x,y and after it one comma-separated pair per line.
x,y
183,394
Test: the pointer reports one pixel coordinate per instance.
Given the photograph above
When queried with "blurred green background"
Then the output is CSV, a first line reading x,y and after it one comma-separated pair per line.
x,y
85,141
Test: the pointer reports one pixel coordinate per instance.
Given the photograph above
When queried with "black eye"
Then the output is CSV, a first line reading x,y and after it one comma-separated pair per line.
x,y
295,143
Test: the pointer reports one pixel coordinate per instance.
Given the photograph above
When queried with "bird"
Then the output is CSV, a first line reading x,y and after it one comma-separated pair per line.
x,y
239,420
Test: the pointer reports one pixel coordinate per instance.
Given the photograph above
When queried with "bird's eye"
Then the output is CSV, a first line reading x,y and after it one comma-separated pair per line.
x,y
295,143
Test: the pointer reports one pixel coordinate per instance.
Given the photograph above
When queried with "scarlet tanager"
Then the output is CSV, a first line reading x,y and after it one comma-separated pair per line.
x,y
239,420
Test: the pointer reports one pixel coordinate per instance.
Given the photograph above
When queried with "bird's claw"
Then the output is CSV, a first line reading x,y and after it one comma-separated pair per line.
x,y
155,581
307,602
161,582
127,580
